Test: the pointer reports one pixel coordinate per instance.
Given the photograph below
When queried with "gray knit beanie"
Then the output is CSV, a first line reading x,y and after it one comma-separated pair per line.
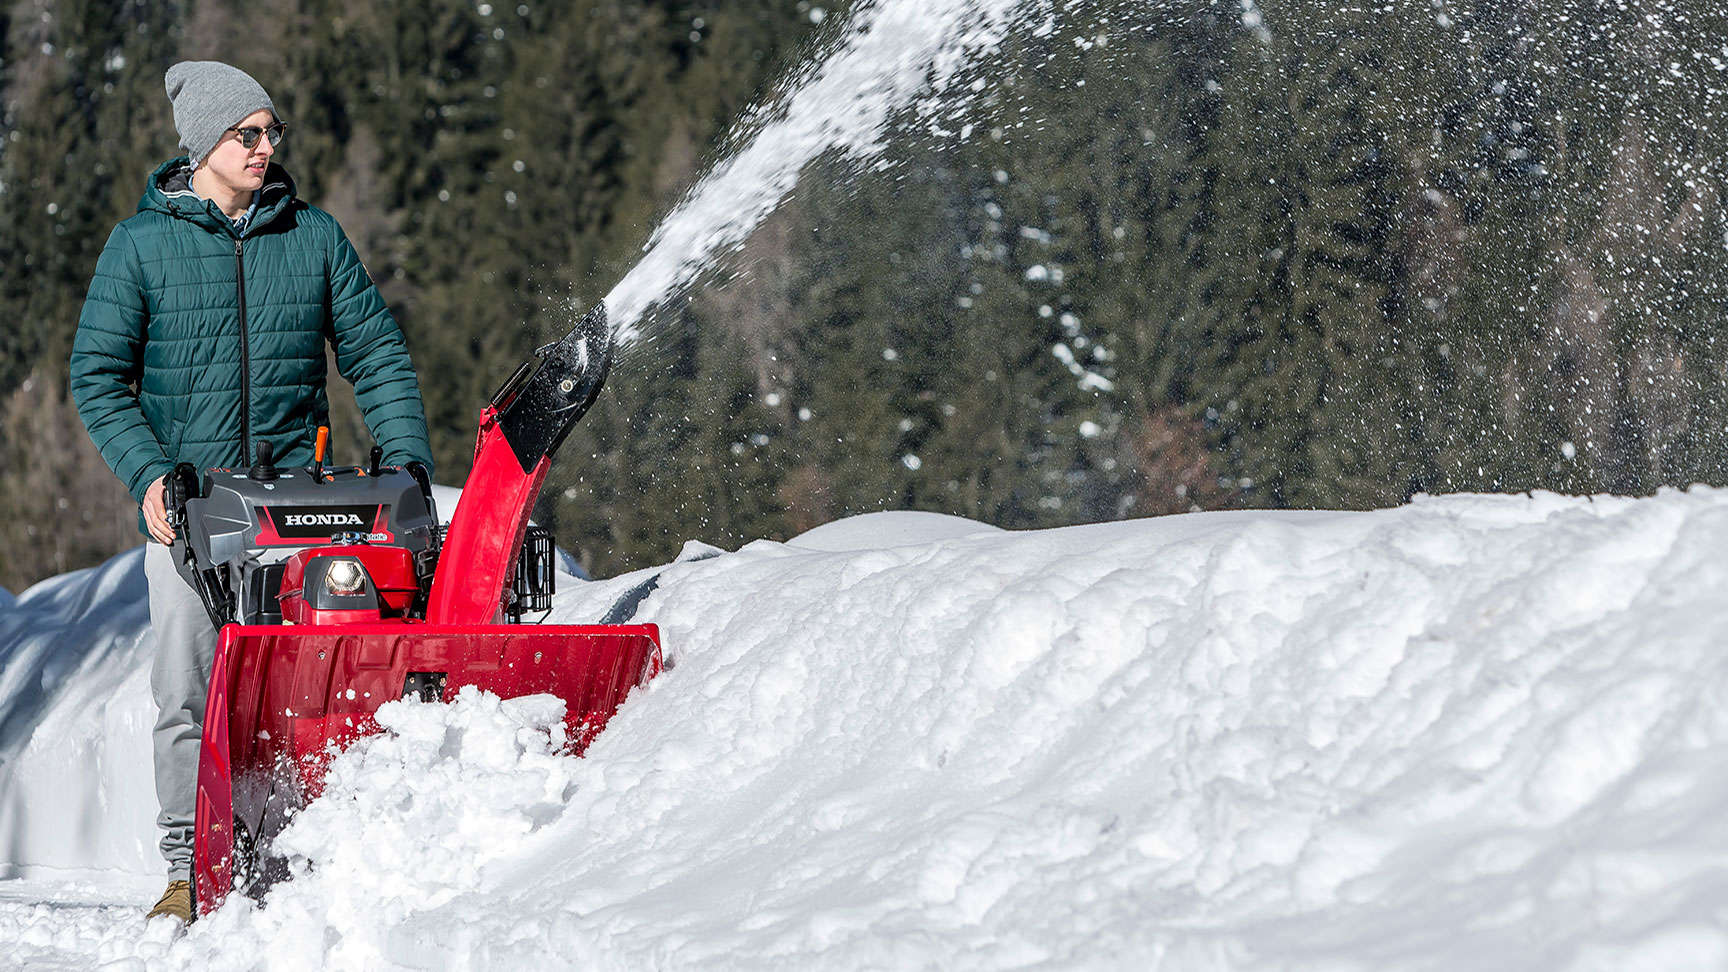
x,y
210,97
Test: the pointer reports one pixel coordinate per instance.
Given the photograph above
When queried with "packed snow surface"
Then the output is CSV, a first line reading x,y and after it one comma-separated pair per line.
x,y
1472,732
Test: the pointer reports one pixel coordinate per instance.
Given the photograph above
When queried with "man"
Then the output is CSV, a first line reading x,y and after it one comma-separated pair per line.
x,y
202,336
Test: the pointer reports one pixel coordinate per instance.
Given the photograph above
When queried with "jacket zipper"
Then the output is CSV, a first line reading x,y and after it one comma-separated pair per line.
x,y
245,363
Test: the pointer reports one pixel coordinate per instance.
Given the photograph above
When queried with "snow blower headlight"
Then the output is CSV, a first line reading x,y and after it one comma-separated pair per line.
x,y
344,577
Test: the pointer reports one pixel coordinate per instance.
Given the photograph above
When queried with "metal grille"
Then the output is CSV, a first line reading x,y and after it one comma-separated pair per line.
x,y
536,577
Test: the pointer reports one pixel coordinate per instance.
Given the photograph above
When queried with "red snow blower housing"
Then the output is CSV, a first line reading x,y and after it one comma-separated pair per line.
x,y
335,591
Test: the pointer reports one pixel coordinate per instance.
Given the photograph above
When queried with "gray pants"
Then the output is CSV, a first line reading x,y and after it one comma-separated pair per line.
x,y
179,681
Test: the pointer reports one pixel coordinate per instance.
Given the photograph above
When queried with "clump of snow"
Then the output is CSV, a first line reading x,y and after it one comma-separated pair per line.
x,y
407,824
1475,731
478,773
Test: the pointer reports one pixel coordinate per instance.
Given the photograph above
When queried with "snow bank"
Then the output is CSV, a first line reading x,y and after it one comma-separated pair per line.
x,y
1470,732
76,791
877,531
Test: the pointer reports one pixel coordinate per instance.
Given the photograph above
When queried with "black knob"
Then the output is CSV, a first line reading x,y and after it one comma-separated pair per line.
x,y
263,471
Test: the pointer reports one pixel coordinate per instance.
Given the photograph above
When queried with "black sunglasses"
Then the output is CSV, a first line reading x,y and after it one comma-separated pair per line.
x,y
249,135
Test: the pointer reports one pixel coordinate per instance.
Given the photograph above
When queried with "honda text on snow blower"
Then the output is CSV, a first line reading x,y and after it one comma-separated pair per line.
x,y
335,591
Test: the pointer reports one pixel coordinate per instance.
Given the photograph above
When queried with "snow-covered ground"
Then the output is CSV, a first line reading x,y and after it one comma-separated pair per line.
x,y
1473,732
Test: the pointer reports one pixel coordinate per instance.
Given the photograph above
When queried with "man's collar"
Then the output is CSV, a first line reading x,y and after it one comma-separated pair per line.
x,y
244,219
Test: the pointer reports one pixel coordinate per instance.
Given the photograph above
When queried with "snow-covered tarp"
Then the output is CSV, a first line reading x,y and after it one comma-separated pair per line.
x,y
1472,732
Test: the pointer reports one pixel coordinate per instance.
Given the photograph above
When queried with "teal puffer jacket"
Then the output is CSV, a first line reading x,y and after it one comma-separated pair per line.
x,y
197,342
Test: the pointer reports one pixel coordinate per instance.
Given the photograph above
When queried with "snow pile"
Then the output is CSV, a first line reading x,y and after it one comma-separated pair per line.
x,y
407,824
479,773
75,709
1471,732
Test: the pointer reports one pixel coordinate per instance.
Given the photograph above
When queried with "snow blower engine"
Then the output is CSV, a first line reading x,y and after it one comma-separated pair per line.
x,y
335,590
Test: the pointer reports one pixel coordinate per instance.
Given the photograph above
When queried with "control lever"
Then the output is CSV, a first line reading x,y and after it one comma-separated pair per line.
x,y
263,471
376,460
318,454
180,486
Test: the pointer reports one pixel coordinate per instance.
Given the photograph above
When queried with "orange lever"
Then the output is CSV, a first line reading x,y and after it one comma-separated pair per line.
x,y
323,440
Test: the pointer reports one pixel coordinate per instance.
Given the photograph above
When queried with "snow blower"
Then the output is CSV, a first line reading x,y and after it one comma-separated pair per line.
x,y
335,591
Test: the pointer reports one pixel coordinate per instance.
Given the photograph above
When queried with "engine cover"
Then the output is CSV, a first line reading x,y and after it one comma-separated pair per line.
x,y
240,517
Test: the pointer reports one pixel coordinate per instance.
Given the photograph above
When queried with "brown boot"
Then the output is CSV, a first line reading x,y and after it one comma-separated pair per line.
x,y
176,902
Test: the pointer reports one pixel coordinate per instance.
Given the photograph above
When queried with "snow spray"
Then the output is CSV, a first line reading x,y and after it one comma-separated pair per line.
x,y
892,54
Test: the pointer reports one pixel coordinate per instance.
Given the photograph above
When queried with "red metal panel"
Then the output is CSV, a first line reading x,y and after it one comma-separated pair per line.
x,y
212,836
282,697
485,535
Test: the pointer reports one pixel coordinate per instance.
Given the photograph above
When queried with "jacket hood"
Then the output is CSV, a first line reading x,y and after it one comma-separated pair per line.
x,y
169,191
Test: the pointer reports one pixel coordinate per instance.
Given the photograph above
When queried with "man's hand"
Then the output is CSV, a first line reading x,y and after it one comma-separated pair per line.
x,y
156,512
